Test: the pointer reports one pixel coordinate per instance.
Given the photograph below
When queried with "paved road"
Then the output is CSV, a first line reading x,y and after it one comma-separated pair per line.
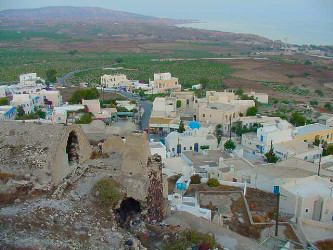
x,y
147,106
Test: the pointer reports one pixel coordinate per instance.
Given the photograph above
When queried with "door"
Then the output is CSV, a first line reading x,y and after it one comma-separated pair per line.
x,y
196,147
317,206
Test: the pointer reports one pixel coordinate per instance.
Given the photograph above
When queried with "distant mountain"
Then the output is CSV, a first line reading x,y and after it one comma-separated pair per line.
x,y
66,13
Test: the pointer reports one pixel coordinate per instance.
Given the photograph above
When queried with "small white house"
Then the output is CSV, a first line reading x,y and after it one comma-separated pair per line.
x,y
309,198
158,148
26,101
119,80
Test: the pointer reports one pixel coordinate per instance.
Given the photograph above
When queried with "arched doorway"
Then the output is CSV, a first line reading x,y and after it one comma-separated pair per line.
x,y
72,148
128,208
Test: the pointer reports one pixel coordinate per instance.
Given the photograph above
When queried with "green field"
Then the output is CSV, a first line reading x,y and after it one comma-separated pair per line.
x,y
138,66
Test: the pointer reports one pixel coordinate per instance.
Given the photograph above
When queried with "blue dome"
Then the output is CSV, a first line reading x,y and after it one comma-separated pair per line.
x,y
194,125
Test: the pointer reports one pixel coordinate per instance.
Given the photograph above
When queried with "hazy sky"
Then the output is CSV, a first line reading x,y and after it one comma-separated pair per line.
x,y
301,21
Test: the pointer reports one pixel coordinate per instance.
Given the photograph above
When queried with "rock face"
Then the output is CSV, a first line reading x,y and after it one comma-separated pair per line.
x,y
46,152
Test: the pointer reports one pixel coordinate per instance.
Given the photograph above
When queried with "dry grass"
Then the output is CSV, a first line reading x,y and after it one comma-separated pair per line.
x,y
6,176
325,245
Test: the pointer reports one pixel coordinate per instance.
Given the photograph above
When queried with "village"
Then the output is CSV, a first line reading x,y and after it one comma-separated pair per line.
x,y
217,161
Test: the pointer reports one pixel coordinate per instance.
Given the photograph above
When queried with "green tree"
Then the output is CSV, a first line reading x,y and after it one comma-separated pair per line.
x,y
328,106
86,94
218,133
252,111
195,179
270,156
297,119
229,145
204,81
41,114
51,75
239,92
181,128
122,109
86,118
4,101
119,60
307,62
178,104
328,150
316,142
20,111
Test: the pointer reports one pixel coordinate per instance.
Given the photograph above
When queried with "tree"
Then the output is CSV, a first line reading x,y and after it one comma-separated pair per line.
x,y
239,92
270,155
86,118
178,104
119,60
73,52
316,142
86,94
20,111
51,75
328,150
252,111
328,106
229,145
218,133
181,128
297,119
4,101
204,82
319,92
195,179
122,109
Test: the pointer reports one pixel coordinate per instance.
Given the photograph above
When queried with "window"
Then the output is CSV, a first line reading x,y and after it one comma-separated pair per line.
x,y
306,210
191,148
173,149
184,148
203,115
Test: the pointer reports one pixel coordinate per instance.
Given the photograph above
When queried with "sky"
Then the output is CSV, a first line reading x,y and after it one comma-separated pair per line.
x,y
300,21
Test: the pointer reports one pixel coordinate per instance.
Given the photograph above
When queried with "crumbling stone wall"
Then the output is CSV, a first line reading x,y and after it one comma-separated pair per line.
x,y
133,147
155,200
39,151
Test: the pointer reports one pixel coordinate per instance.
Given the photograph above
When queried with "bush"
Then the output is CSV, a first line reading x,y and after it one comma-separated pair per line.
x,y
4,101
195,179
319,92
179,104
252,111
108,192
86,118
192,239
297,119
212,182
86,94
229,145
203,147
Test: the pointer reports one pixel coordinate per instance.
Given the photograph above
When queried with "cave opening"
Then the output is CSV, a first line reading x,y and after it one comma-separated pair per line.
x,y
72,148
129,207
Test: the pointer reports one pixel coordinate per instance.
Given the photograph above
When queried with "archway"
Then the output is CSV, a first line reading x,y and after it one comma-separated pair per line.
x,y
128,208
72,148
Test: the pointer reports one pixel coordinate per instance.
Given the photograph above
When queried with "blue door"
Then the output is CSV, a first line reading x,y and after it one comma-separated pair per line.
x,y
196,147
179,149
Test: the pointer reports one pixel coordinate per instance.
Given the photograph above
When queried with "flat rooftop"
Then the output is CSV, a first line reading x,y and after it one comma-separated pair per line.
x,y
312,186
278,172
297,146
311,128
211,158
221,106
156,145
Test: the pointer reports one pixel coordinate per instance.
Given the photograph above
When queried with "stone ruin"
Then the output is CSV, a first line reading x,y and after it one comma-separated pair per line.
x,y
42,153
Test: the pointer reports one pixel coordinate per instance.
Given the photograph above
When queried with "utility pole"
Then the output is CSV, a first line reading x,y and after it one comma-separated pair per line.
x,y
277,214
178,148
230,128
319,165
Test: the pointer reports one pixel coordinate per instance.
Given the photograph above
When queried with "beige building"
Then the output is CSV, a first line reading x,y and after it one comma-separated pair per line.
x,y
164,82
94,106
220,108
119,80
259,97
312,132
50,97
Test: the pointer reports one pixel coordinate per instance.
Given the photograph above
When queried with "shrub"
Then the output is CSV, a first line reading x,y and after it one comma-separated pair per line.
x,y
203,147
319,92
229,145
212,182
108,192
195,179
252,111
4,101
192,238
86,118
179,104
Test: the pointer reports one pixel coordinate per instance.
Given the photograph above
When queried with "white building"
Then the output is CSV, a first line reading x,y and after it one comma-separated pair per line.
x,y
309,198
164,107
119,80
260,97
177,166
250,121
30,79
27,101
298,149
195,140
269,133
158,148
67,113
